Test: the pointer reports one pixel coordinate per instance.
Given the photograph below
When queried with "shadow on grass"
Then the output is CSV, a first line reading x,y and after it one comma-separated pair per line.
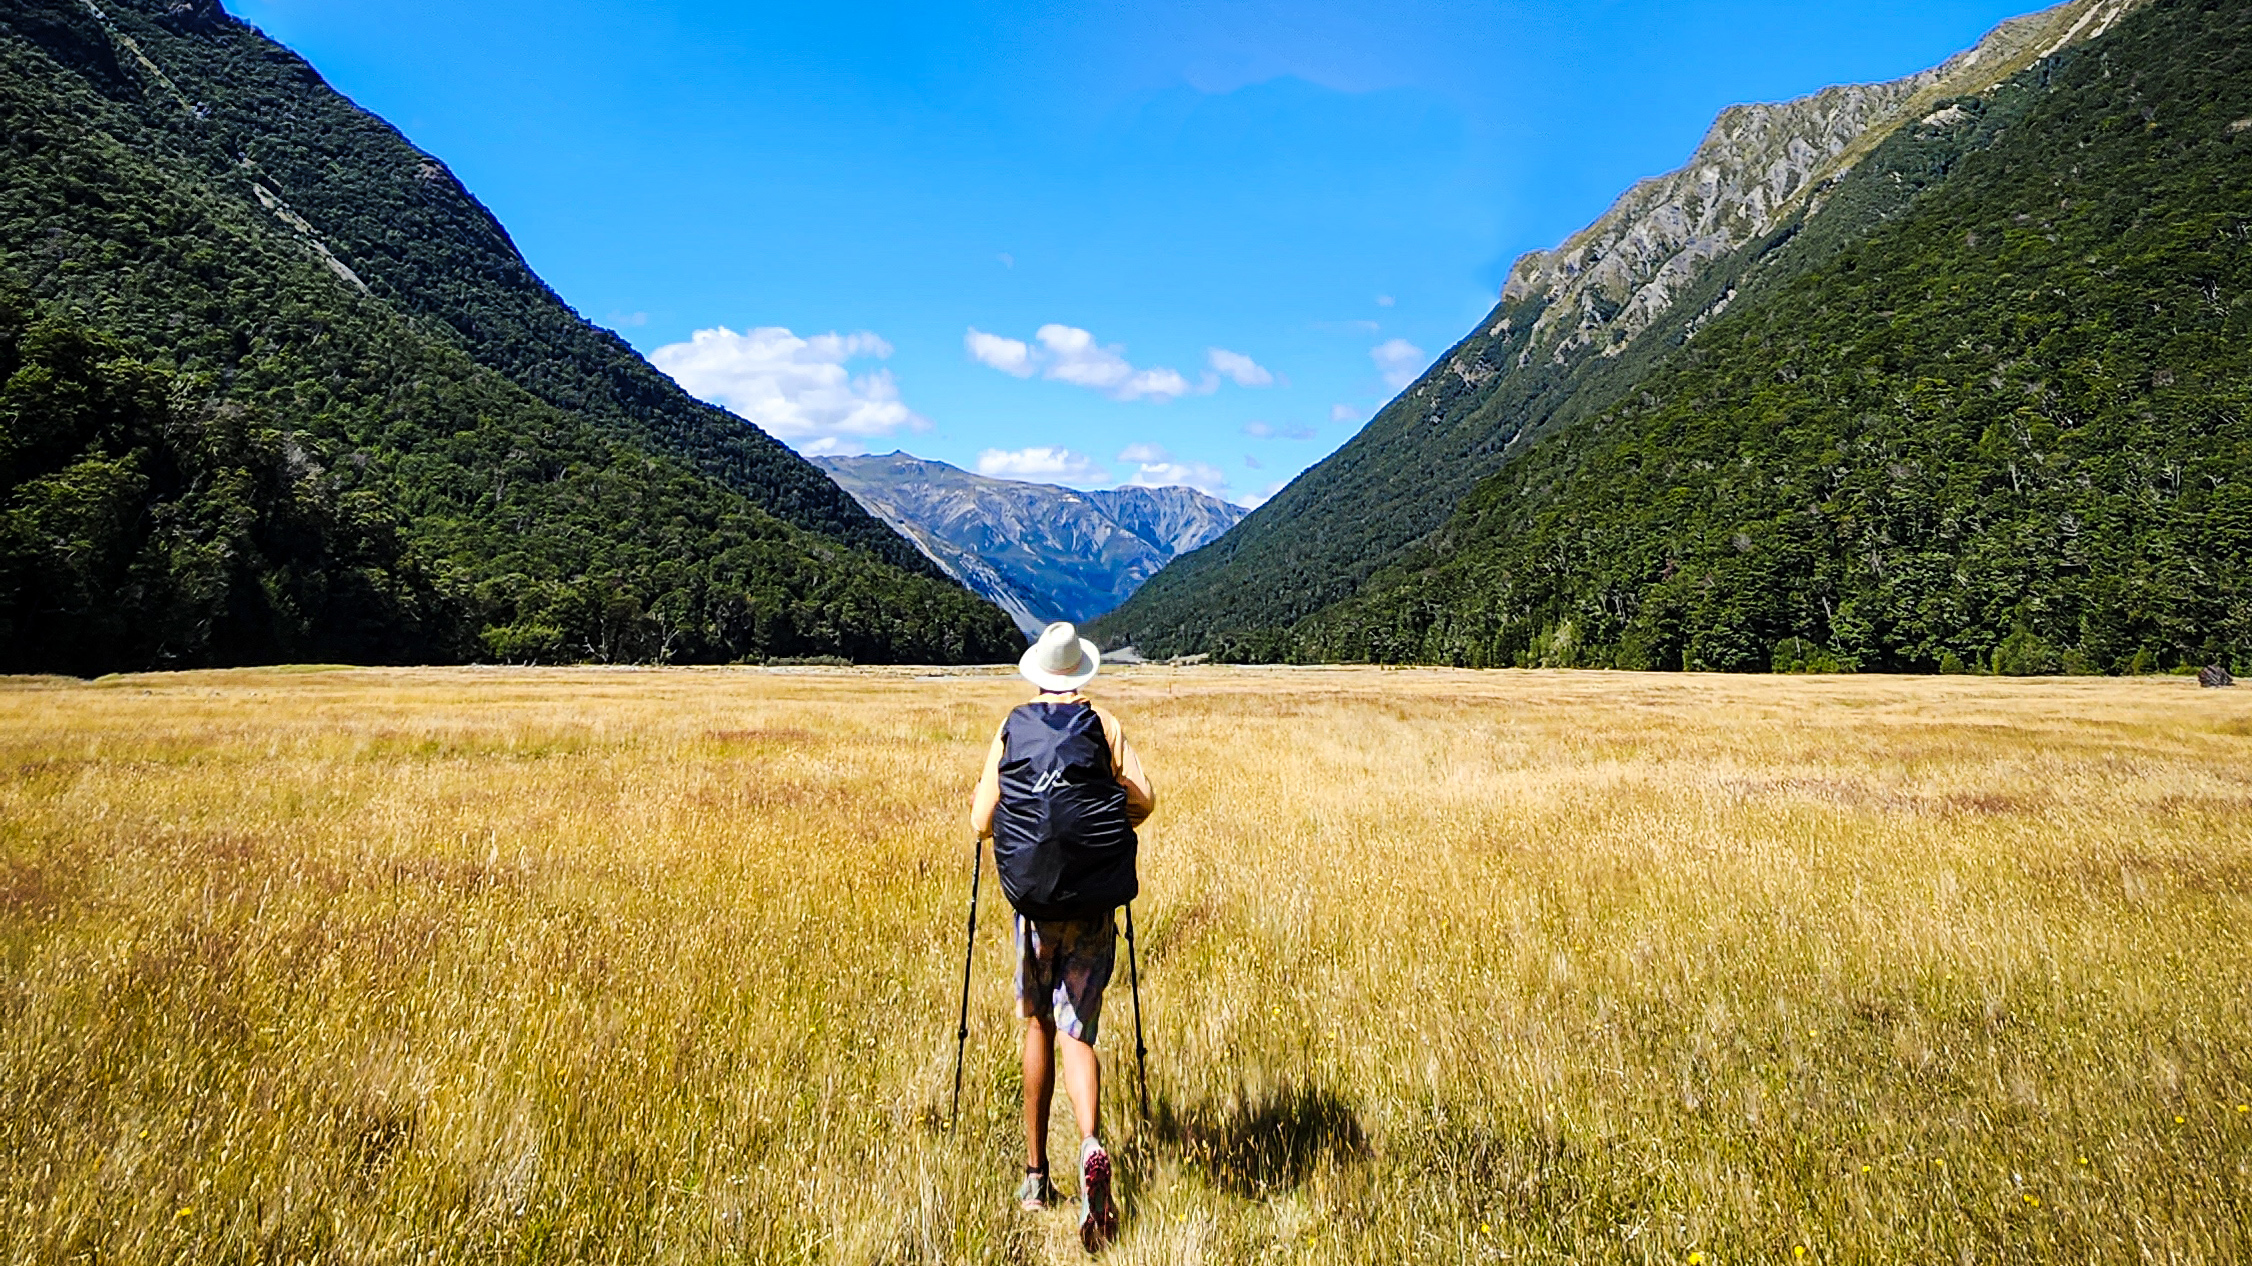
x,y
1255,1142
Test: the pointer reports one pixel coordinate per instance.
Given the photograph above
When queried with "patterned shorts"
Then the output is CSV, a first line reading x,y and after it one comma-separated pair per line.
x,y
1062,967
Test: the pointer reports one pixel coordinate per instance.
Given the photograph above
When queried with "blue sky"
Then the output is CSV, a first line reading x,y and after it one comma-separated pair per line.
x,y
1170,242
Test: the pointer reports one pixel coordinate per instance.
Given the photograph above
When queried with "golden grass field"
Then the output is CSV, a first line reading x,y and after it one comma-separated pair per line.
x,y
660,966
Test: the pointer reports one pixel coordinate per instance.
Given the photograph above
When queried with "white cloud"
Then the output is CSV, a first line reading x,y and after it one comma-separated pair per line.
x,y
1269,431
1253,500
1201,476
1066,353
1156,468
1384,301
1239,368
1253,462
1398,362
1005,354
1075,357
1042,465
795,389
1343,413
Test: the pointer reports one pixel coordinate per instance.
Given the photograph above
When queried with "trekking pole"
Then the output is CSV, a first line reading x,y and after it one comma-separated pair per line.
x,y
962,1024
1134,975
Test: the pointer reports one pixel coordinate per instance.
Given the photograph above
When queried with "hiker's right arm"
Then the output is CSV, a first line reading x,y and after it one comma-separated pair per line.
x,y
988,795
1126,767
1141,798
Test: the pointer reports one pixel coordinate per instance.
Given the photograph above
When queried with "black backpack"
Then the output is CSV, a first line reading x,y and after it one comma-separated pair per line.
x,y
1060,836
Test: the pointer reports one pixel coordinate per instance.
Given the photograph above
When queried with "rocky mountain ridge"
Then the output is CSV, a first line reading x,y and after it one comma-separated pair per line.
x,y
1765,199
1757,166
1039,551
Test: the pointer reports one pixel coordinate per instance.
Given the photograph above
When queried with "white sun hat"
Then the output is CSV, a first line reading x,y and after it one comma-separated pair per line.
x,y
1061,661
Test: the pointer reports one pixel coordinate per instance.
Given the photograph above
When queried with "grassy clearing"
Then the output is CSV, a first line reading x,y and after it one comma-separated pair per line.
x,y
660,966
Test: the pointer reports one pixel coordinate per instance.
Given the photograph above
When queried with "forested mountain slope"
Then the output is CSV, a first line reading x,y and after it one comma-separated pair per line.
x,y
416,239
1040,551
250,333
2009,427
1576,328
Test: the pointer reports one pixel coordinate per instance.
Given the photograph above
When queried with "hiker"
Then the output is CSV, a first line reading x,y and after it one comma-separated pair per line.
x,y
1061,795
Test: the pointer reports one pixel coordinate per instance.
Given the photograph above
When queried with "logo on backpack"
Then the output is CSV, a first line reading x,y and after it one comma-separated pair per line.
x,y
1047,782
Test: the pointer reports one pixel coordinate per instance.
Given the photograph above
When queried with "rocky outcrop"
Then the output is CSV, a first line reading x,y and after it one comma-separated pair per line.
x,y
199,17
1757,166
1039,551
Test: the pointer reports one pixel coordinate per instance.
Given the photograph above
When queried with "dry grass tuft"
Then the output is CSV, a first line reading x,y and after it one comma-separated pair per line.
x,y
660,966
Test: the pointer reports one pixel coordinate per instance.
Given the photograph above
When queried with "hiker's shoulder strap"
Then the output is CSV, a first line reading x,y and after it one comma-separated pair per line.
x,y
1029,716
1048,725
1017,715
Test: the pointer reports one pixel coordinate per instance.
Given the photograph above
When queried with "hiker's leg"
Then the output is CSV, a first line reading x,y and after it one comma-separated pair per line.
x,y
1083,1081
1039,1087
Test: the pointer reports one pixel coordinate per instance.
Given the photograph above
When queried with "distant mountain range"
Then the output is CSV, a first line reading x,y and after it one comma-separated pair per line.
x,y
275,386
1953,372
1040,552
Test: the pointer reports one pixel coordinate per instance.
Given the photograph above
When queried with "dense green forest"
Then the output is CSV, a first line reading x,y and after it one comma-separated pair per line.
x,y
2006,429
142,528
328,413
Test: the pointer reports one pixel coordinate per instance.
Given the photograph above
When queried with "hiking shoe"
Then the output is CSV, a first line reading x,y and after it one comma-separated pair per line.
x,y
1035,1192
1098,1214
